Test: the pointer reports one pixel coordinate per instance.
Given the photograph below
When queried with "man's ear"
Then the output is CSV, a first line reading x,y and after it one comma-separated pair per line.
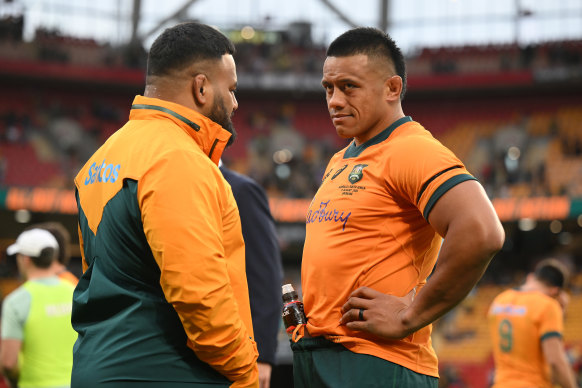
x,y
199,86
24,260
393,88
554,292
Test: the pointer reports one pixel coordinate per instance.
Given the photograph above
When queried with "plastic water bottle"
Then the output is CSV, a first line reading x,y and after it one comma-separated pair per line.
x,y
293,313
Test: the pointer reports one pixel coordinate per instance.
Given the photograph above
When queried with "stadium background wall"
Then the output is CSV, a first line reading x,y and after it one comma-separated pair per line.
x,y
469,98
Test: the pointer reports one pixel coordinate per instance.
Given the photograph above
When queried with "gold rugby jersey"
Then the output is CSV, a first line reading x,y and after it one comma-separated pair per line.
x,y
367,226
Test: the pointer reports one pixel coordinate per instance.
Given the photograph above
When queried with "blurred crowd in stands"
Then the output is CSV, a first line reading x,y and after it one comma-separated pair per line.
x,y
285,144
289,50
44,140
532,154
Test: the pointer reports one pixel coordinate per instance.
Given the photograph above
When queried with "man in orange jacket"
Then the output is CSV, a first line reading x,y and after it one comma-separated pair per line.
x,y
163,300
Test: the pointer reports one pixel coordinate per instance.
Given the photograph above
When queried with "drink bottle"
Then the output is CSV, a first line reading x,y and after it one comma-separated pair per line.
x,y
293,313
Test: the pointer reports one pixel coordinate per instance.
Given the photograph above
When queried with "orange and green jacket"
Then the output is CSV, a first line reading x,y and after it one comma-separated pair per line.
x,y
519,321
163,296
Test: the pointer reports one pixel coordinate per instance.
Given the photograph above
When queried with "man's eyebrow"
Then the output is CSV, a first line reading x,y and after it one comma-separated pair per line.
x,y
341,81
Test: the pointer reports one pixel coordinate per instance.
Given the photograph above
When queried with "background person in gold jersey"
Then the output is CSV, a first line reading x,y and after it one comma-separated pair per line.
x,y
526,327
375,228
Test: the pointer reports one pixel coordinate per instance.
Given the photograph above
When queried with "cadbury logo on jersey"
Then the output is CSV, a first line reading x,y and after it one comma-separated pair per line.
x,y
104,172
324,215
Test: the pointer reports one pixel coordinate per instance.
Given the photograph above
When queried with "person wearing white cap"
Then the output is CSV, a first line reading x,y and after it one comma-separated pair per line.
x,y
37,336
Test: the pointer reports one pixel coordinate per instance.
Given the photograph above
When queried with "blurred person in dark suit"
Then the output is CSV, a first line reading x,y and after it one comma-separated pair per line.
x,y
263,267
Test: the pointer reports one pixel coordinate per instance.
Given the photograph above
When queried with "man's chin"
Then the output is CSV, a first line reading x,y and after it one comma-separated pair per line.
x,y
343,133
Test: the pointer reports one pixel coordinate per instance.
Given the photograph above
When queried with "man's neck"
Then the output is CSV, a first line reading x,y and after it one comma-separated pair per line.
x,y
534,285
38,273
58,268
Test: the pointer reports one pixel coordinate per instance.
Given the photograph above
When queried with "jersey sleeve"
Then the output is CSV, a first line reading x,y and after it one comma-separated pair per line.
x,y
422,170
551,321
15,308
182,209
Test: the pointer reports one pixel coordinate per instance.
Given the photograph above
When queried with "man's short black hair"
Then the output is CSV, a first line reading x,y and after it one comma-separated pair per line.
x,y
46,257
552,273
373,43
179,46
62,236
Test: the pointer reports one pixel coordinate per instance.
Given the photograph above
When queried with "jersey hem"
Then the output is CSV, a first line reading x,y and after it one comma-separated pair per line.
x,y
442,189
361,348
550,335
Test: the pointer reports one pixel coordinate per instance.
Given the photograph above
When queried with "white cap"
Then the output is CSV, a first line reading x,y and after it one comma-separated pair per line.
x,y
287,288
32,242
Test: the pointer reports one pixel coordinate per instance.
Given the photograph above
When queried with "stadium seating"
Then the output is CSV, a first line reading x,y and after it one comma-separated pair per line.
x,y
37,112
550,157
24,168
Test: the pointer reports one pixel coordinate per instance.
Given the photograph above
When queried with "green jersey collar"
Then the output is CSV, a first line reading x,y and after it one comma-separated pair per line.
x,y
189,122
355,150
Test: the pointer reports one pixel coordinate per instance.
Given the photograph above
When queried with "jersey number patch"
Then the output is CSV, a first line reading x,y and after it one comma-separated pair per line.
x,y
505,336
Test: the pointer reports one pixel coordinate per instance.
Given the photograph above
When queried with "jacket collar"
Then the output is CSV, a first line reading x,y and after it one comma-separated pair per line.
x,y
210,136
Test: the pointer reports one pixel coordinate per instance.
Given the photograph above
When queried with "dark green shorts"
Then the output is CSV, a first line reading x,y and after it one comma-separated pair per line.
x,y
150,384
319,363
